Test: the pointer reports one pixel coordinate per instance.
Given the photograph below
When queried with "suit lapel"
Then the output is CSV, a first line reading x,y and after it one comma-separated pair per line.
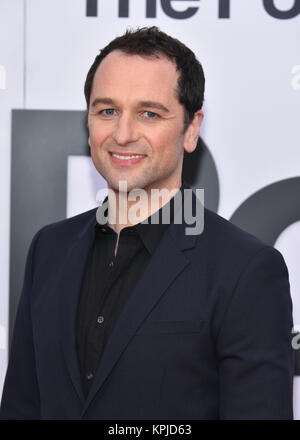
x,y
69,290
150,287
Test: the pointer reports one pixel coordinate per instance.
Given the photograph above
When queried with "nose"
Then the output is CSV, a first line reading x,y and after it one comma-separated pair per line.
x,y
125,130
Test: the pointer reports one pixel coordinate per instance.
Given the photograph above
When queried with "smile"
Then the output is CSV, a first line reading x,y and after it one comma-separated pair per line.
x,y
127,159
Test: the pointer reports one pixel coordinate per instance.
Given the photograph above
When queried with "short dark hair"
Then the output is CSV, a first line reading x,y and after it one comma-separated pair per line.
x,y
151,42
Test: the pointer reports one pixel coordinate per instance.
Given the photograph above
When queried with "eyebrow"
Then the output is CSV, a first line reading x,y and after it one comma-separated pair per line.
x,y
106,101
155,105
151,104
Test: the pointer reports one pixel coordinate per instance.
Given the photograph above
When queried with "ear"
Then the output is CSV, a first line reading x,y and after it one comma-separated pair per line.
x,y
192,132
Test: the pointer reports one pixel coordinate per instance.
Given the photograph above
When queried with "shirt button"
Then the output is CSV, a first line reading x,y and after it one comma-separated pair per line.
x,y
111,264
89,375
100,319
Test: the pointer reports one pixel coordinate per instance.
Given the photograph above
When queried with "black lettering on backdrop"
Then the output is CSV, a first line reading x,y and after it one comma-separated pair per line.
x,y
123,8
224,8
187,13
151,9
279,13
270,210
91,8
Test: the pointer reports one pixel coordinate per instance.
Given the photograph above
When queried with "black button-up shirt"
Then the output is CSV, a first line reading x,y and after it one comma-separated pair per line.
x,y
108,281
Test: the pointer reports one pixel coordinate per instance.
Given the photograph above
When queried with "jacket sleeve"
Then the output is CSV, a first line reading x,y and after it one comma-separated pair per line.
x,y
20,398
256,358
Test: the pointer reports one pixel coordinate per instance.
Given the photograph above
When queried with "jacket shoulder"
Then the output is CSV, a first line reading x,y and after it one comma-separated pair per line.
x,y
71,224
229,241
62,233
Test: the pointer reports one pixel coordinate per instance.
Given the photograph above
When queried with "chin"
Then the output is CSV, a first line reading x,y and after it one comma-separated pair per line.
x,y
130,183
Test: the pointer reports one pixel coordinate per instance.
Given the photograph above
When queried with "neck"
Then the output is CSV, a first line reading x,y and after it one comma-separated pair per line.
x,y
129,208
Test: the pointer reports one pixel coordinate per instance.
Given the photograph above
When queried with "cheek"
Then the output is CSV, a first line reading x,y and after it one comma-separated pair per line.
x,y
168,146
96,138
161,140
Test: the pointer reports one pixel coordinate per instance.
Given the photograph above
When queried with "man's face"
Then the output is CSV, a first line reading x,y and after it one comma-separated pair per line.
x,y
134,111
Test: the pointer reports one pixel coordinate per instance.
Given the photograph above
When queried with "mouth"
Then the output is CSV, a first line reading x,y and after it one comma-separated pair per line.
x,y
126,159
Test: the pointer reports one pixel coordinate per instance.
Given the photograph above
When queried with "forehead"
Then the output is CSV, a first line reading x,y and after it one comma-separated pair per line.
x,y
139,74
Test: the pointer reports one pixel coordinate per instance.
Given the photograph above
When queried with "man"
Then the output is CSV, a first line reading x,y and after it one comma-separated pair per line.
x,y
136,320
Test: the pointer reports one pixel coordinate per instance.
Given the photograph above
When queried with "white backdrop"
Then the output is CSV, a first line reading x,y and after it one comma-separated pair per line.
x,y
252,101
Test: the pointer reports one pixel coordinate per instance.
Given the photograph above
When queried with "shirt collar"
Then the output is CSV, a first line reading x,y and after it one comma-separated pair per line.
x,y
151,229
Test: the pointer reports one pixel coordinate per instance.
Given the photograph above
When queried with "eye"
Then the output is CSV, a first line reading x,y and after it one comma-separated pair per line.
x,y
150,115
107,112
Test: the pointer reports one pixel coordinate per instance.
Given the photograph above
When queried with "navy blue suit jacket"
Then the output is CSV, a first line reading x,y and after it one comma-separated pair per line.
x,y
206,333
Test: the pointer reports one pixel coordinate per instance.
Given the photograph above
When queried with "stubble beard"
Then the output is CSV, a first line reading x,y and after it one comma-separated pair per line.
x,y
141,180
